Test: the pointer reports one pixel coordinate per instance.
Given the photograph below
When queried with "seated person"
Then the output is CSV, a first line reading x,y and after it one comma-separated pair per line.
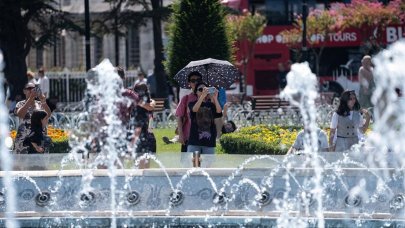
x,y
299,141
37,141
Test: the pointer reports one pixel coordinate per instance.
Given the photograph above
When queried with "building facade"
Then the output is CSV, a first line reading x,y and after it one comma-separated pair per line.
x,y
136,48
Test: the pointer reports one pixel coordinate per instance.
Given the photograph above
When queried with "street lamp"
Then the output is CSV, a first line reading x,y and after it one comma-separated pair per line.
x,y
304,30
87,33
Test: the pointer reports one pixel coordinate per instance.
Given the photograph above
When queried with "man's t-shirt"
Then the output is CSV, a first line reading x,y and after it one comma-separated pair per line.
x,y
203,131
182,111
127,105
322,140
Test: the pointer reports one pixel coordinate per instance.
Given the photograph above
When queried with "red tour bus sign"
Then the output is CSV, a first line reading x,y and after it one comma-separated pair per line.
x,y
347,38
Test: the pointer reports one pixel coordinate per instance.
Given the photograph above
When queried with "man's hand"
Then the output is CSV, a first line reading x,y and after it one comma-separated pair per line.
x,y
215,94
42,98
32,96
204,93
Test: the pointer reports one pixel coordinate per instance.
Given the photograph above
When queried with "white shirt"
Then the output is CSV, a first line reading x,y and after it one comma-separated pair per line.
x,y
143,81
322,140
44,85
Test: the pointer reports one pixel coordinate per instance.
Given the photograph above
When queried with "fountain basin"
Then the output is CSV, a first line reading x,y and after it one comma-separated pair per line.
x,y
250,195
199,194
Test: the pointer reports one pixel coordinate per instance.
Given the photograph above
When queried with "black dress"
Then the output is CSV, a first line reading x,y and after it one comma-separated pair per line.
x,y
36,136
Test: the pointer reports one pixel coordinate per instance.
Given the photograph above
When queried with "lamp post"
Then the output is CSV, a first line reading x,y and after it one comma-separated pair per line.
x,y
116,35
304,30
87,33
54,41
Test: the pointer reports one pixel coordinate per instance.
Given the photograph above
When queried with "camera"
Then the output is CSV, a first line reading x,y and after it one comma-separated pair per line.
x,y
38,92
211,90
37,89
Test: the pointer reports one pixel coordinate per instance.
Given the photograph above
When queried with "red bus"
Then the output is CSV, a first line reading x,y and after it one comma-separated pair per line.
x,y
342,51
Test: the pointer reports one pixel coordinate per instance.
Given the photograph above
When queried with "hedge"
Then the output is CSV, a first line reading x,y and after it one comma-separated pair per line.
x,y
260,139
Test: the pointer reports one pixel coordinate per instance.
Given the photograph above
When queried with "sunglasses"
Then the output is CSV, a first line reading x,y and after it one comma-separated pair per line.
x,y
194,80
29,88
201,89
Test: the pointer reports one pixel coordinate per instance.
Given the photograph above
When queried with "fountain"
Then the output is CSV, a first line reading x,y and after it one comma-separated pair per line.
x,y
363,187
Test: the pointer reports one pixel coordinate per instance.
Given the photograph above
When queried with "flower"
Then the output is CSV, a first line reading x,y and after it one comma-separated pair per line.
x,y
55,134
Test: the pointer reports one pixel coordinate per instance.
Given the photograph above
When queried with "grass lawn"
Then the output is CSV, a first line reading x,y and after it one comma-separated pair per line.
x,y
175,147
163,147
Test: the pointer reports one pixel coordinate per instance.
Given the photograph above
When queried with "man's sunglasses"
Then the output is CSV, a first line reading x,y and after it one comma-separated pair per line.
x,y
201,89
195,80
29,88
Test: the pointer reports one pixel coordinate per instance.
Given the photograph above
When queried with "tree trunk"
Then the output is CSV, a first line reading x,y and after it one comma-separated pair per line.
x,y
16,68
161,79
15,44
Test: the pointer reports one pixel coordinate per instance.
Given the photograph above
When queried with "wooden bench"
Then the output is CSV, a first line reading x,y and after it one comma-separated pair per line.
x,y
159,113
264,107
269,103
160,104
260,103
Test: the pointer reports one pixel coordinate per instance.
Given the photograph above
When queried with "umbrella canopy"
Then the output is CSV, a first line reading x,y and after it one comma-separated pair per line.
x,y
214,72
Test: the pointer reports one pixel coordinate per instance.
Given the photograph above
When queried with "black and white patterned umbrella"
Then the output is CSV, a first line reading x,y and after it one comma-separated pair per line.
x,y
214,72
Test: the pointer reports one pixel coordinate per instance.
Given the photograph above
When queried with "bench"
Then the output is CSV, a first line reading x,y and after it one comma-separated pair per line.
x,y
159,113
160,104
265,103
270,107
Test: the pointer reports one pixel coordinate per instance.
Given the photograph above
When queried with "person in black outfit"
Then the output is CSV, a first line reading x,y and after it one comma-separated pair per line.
x,y
37,141
203,132
143,138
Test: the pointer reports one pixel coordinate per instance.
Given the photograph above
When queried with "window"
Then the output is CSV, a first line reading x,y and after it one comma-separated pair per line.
x,y
282,12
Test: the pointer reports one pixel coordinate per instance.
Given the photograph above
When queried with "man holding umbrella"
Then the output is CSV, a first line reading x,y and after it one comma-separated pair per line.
x,y
183,113
219,73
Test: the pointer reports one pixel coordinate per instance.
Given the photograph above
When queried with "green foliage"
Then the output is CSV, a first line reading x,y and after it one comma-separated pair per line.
x,y
240,144
259,139
246,27
60,146
197,30
160,145
24,24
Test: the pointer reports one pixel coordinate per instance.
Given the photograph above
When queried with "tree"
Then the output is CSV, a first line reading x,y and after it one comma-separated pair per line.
x,y
371,17
320,23
23,24
197,30
245,29
116,20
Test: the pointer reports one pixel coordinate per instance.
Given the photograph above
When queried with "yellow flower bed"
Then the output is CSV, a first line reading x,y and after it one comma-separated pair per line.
x,y
260,139
57,135
274,135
